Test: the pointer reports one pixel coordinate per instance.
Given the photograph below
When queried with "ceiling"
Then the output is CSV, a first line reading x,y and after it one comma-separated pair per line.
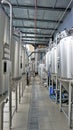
x,y
38,20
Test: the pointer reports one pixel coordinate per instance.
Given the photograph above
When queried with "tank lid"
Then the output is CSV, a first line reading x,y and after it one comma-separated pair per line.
x,y
61,35
71,31
64,33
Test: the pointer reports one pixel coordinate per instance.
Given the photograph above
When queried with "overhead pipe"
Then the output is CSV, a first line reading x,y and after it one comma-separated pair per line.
x,y
39,20
39,7
39,51
62,15
35,17
34,52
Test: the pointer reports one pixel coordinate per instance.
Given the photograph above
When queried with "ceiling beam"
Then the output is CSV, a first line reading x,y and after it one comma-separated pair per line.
x,y
39,7
39,20
32,43
34,40
35,44
38,33
36,37
25,43
29,27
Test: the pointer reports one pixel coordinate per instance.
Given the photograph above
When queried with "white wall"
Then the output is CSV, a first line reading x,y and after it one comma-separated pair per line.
x,y
67,22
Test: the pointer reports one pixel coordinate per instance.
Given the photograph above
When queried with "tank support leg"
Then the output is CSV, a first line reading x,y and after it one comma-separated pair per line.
x,y
52,83
56,90
49,81
19,92
70,106
60,97
16,98
1,116
22,88
10,109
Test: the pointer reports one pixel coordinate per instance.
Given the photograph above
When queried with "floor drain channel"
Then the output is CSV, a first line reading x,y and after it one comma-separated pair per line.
x,y
33,112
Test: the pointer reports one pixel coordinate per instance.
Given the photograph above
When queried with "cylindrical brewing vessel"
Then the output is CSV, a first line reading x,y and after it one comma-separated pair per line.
x,y
58,61
54,60
66,45
36,61
23,60
15,56
47,61
41,70
4,53
50,62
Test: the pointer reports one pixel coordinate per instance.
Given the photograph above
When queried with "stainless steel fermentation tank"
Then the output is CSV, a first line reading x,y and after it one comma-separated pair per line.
x,y
54,60
36,60
48,61
5,63
65,64
65,60
41,70
23,60
16,58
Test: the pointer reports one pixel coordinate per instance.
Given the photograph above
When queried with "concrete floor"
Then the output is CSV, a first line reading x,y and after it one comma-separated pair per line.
x,y
38,112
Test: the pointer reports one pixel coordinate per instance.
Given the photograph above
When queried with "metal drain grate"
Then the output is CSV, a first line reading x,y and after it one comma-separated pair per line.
x,y
33,112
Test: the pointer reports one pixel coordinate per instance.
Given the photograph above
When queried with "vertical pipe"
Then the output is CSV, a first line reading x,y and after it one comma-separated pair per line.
x,y
19,55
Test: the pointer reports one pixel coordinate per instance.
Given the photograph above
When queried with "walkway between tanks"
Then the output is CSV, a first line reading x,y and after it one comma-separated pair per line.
x,y
37,111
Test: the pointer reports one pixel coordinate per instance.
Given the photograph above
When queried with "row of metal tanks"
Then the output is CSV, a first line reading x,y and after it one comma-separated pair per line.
x,y
12,55
59,58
